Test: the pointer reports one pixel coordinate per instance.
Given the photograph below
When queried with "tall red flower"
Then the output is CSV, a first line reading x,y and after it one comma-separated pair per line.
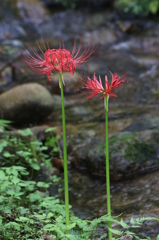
x,y
59,59
93,86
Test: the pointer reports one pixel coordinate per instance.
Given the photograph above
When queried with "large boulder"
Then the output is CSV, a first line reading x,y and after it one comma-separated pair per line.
x,y
130,153
26,103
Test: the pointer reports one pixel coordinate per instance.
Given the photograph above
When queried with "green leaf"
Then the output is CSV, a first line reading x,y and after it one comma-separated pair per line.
x,y
143,219
103,236
1,220
123,224
153,6
3,144
136,226
8,155
7,209
19,194
23,210
48,226
50,215
33,197
4,122
2,198
35,166
23,219
43,184
59,219
2,175
137,238
20,169
25,132
10,192
70,226
15,180
157,237
115,231
11,171
12,224
132,221
23,154
50,129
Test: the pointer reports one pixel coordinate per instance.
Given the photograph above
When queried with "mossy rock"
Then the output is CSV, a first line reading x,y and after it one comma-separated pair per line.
x,y
130,153
140,151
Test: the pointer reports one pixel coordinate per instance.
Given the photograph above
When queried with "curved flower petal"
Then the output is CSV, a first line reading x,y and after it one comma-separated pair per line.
x,y
61,59
94,86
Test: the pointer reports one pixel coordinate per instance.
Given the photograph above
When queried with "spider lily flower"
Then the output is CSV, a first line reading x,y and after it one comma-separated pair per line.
x,y
60,60
93,86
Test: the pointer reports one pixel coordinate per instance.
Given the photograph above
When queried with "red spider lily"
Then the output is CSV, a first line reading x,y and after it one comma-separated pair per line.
x,y
58,59
94,86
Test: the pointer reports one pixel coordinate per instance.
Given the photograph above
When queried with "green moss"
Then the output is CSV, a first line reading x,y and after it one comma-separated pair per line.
x,y
156,93
123,138
139,151
112,140
126,138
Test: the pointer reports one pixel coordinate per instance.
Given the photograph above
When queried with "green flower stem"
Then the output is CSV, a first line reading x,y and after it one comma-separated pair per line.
x,y
64,154
107,166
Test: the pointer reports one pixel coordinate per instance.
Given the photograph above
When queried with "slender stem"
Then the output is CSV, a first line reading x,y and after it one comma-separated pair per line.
x,y
64,154
107,166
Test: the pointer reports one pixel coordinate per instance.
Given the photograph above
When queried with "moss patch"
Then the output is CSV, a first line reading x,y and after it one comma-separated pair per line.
x,y
139,151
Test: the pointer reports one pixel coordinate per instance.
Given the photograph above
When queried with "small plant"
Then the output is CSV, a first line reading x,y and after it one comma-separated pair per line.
x,y
23,149
52,142
127,229
138,7
22,202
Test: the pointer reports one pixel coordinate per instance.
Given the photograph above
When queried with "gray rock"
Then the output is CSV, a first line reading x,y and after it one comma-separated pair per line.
x,y
127,237
130,153
103,35
19,19
27,103
11,30
34,12
143,124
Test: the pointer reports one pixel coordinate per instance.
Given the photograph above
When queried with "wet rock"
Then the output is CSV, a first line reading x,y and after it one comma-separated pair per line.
x,y
103,36
142,44
127,237
95,19
17,15
126,26
11,30
33,12
130,153
27,103
143,124
47,237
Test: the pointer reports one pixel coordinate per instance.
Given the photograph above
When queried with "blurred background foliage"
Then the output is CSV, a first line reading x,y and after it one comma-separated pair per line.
x,y
137,7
